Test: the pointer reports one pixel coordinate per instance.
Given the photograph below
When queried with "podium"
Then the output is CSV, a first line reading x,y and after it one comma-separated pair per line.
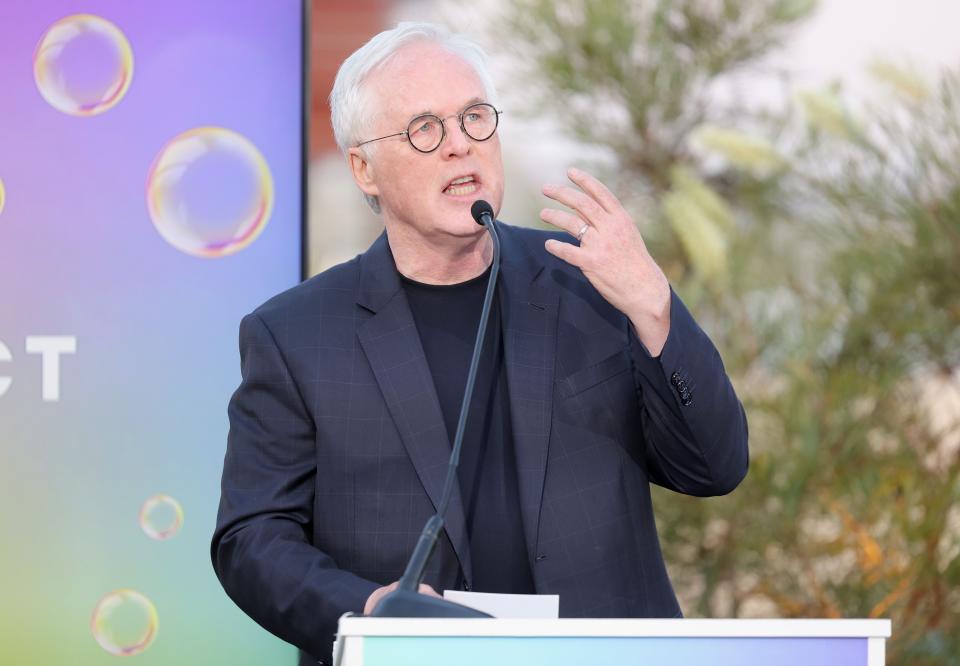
x,y
367,641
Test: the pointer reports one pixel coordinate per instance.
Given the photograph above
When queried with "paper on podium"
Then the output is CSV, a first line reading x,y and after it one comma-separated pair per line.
x,y
508,605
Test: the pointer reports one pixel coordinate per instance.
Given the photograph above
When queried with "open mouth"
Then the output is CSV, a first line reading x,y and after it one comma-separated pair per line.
x,y
462,186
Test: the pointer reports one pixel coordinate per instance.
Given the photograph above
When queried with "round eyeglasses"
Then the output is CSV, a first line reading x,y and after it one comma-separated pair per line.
x,y
425,133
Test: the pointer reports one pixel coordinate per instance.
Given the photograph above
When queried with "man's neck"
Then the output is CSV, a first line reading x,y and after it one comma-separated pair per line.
x,y
446,260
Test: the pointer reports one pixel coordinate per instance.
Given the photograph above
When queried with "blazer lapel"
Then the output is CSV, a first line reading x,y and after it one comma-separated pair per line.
x,y
529,341
392,345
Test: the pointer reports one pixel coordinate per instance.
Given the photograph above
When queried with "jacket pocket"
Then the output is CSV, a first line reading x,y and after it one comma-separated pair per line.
x,y
599,372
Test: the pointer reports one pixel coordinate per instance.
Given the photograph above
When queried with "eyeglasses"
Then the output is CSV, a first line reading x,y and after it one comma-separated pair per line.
x,y
425,133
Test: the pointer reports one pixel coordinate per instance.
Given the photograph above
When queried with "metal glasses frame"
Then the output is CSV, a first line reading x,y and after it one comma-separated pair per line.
x,y
443,127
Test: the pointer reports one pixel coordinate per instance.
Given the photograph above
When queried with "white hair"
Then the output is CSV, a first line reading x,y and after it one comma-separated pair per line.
x,y
352,108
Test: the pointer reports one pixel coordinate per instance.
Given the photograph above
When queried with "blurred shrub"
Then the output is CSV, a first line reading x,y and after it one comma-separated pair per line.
x,y
819,245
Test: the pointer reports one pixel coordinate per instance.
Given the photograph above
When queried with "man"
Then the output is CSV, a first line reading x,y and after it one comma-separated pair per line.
x,y
594,382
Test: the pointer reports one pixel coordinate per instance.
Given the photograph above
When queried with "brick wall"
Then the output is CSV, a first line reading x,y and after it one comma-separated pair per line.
x,y
337,29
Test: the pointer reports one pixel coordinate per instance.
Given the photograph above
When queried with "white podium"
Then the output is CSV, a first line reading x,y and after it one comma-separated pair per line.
x,y
367,641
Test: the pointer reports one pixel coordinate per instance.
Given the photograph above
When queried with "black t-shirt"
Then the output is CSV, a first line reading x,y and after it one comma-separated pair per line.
x,y
447,317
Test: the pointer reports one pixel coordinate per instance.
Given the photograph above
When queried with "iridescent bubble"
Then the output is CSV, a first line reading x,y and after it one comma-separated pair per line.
x,y
161,517
3,195
124,622
210,192
83,65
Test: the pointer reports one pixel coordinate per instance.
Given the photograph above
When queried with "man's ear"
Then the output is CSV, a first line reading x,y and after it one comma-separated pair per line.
x,y
362,171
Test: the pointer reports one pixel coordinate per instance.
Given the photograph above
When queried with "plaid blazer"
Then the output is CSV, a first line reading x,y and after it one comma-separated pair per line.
x,y
337,450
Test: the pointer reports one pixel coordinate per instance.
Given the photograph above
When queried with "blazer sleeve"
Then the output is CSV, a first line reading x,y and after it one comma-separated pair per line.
x,y
261,551
695,429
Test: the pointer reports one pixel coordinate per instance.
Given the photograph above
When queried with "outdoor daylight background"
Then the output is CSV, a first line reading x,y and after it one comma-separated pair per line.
x,y
793,165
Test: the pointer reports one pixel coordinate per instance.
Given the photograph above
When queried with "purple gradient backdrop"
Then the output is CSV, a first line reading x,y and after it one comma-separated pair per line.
x,y
143,400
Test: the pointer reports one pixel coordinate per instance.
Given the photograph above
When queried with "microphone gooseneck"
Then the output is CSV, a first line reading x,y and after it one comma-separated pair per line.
x,y
405,601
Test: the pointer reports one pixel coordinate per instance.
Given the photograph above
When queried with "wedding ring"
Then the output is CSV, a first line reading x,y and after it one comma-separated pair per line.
x,y
582,231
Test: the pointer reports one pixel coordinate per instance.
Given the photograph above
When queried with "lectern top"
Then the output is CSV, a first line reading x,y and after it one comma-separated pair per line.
x,y
761,628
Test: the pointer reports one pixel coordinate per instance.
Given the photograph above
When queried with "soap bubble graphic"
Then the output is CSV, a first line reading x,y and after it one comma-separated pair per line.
x,y
83,65
3,195
210,192
161,517
124,622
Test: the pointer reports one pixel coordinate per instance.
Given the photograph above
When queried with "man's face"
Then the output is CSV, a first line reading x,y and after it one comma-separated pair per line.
x,y
415,189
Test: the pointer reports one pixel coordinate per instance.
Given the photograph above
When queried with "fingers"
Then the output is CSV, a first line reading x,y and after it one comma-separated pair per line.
x,y
569,222
593,201
597,190
588,209
381,592
427,590
568,252
595,205
376,596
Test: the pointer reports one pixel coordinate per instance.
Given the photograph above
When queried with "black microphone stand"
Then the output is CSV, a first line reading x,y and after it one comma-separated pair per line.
x,y
406,601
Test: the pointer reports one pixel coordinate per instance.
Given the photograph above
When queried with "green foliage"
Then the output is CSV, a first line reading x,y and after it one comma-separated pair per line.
x,y
820,248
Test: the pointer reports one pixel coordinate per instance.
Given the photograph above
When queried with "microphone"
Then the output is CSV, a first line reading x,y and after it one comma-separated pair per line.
x,y
482,213
405,601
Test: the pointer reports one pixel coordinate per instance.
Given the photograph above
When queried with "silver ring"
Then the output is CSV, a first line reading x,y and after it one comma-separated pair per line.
x,y
582,231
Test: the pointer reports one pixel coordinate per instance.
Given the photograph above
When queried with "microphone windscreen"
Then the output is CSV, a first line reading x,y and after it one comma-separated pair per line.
x,y
479,209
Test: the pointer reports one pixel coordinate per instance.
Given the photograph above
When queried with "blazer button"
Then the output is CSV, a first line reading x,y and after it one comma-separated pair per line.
x,y
674,378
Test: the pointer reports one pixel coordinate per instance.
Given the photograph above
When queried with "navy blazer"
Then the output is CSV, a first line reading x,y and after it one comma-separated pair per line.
x,y
337,451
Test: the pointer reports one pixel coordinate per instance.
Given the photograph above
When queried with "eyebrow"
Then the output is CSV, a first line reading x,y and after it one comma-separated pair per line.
x,y
428,112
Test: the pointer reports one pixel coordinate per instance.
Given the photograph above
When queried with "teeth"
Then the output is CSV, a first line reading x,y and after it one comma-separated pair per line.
x,y
461,186
468,188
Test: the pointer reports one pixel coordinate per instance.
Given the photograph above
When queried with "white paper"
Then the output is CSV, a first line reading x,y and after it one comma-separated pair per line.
x,y
508,605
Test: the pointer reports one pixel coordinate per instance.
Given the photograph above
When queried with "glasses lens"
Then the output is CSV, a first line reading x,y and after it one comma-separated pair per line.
x,y
425,133
480,121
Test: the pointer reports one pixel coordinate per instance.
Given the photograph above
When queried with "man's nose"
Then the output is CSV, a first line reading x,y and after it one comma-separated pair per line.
x,y
456,143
